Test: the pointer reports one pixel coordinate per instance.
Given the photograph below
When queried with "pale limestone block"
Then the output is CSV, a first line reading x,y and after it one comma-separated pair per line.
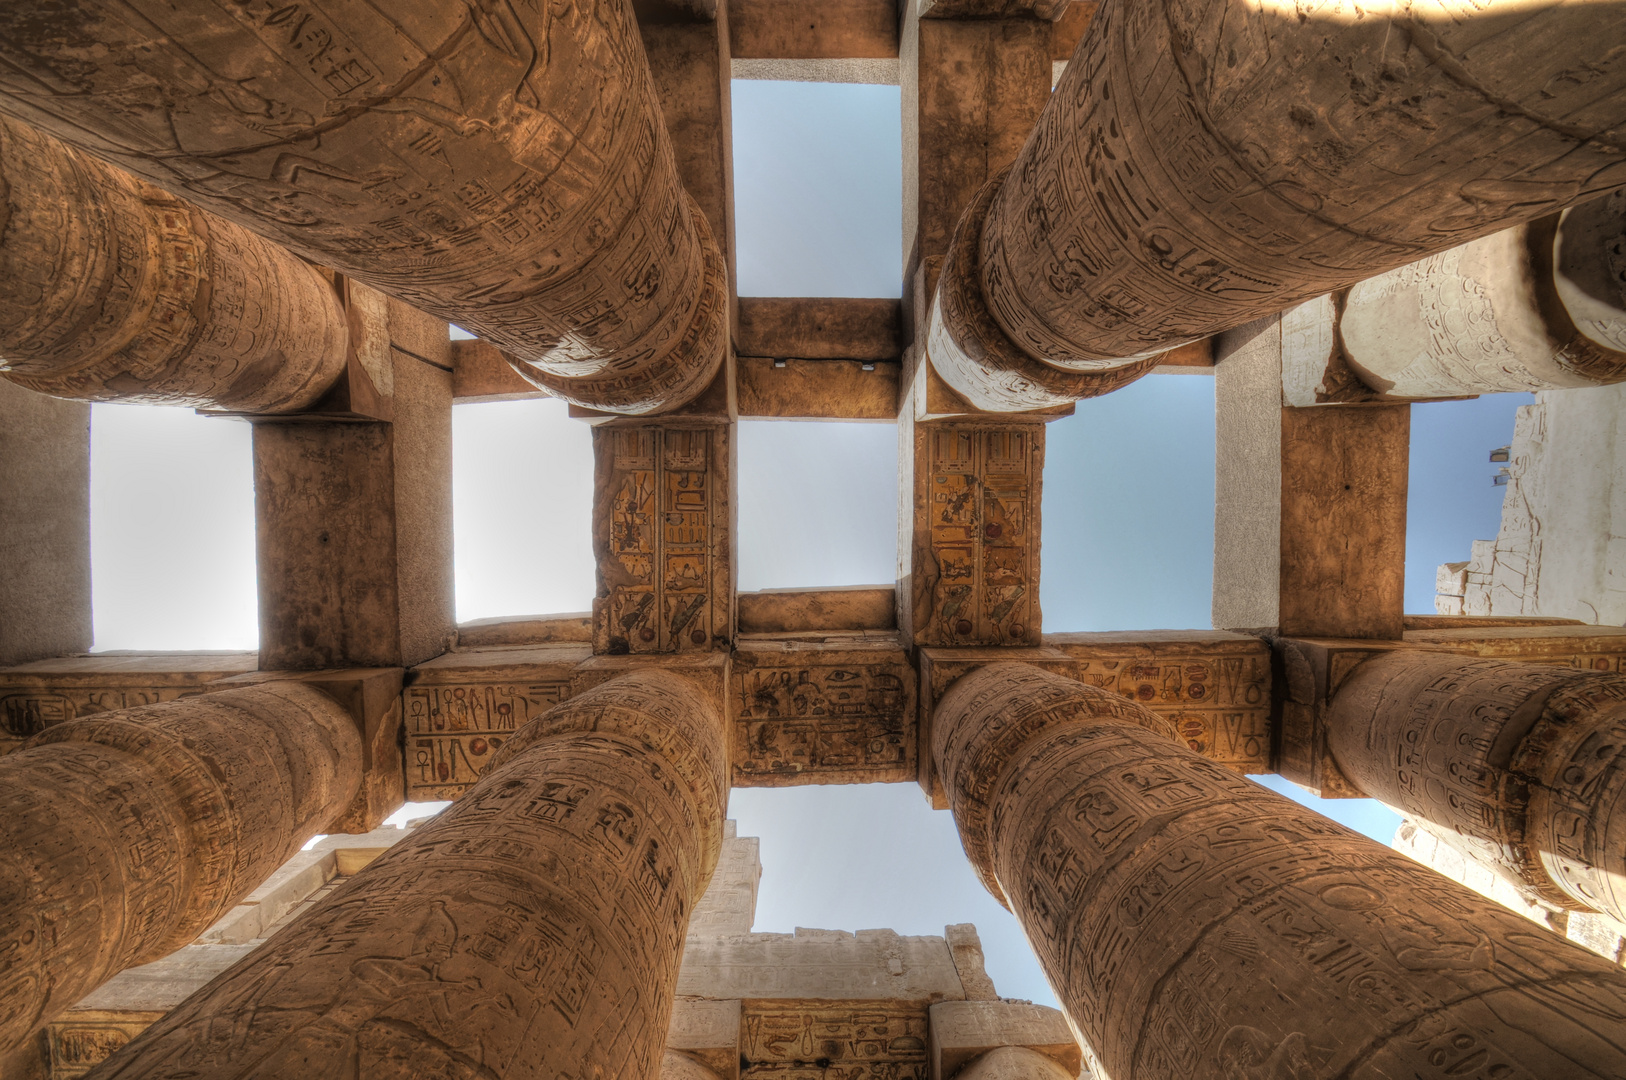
x,y
820,964
729,904
1599,933
1248,466
966,948
163,984
707,1031
963,1030
1014,1063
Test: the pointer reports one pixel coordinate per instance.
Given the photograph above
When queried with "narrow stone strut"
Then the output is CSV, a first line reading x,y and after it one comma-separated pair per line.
x,y
1203,165
114,290
1161,892
534,929
510,173
126,834
1520,766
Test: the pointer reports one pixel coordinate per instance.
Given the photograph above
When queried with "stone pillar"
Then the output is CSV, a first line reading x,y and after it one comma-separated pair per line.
x,y
1521,766
1197,926
114,290
510,173
1013,1063
125,835
1200,166
534,929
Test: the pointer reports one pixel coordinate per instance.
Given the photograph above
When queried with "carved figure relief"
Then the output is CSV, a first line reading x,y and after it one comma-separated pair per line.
x,y
860,1040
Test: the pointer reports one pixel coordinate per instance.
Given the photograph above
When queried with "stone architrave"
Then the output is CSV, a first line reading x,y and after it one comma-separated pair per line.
x,y
969,520
510,173
1585,648
662,535
831,708
1198,167
1521,766
114,290
534,929
126,834
1160,891
460,708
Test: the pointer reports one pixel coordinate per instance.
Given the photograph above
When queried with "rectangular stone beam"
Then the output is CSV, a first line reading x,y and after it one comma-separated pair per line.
x,y
809,30
820,328
44,525
663,536
792,611
771,389
1310,504
354,520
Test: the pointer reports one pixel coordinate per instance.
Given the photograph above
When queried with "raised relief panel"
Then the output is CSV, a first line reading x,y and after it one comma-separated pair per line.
x,y
855,1040
975,559
460,707
1589,648
79,1044
36,695
661,537
832,708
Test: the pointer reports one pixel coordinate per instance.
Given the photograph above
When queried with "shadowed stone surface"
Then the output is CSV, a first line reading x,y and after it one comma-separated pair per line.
x,y
124,835
1198,927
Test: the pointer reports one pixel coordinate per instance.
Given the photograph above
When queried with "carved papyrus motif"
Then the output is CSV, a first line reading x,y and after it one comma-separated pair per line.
x,y
860,1040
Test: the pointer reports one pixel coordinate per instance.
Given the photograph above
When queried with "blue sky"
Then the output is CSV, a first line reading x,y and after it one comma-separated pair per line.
x,y
1128,518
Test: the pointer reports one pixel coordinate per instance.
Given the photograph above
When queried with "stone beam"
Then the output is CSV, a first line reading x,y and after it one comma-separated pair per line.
x,y
791,611
805,30
820,328
353,533
817,389
963,1031
1135,221
439,160
1310,504
45,530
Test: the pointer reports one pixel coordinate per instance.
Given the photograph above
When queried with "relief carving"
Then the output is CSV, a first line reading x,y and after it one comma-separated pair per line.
x,y
852,1040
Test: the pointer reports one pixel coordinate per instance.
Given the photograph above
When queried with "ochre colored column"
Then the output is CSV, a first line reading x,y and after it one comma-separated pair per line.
x,y
502,166
534,929
1013,1063
125,835
1199,927
1521,766
114,290
1201,165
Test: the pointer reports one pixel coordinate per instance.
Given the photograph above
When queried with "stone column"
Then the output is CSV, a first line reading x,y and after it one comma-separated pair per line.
x,y
1202,165
532,930
114,290
1197,926
1521,766
1013,1063
126,834
508,172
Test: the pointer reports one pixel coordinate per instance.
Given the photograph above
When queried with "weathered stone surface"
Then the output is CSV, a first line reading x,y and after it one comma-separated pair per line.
x,y
865,1040
831,29
966,948
730,903
459,709
820,328
45,530
822,965
970,523
533,929
1016,1063
538,630
795,611
114,290
127,833
834,708
965,1030
1521,765
438,161
817,389
1589,648
1160,891
482,372
663,497
707,1032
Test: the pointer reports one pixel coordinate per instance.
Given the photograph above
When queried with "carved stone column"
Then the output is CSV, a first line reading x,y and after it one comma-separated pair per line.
x,y
114,290
1202,165
1521,766
1013,1063
532,930
502,166
1198,926
126,834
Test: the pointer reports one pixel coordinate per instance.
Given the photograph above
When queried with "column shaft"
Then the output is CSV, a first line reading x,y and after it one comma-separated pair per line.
x,y
114,290
126,834
1203,165
1196,926
532,930
1521,766
510,173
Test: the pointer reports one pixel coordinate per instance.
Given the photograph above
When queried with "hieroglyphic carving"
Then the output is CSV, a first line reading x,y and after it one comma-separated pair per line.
x,y
1585,648
975,574
124,835
832,709
1520,766
507,171
533,929
114,290
82,1042
850,1040
461,707
661,537
1161,891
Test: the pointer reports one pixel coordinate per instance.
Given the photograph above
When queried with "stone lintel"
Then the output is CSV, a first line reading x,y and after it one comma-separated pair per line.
x,y
821,966
831,709
1470,622
709,670
526,630
663,536
847,607
808,30
964,1030
708,1030
817,389
35,695
820,328
1588,648
966,948
1214,685
481,372
1194,358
